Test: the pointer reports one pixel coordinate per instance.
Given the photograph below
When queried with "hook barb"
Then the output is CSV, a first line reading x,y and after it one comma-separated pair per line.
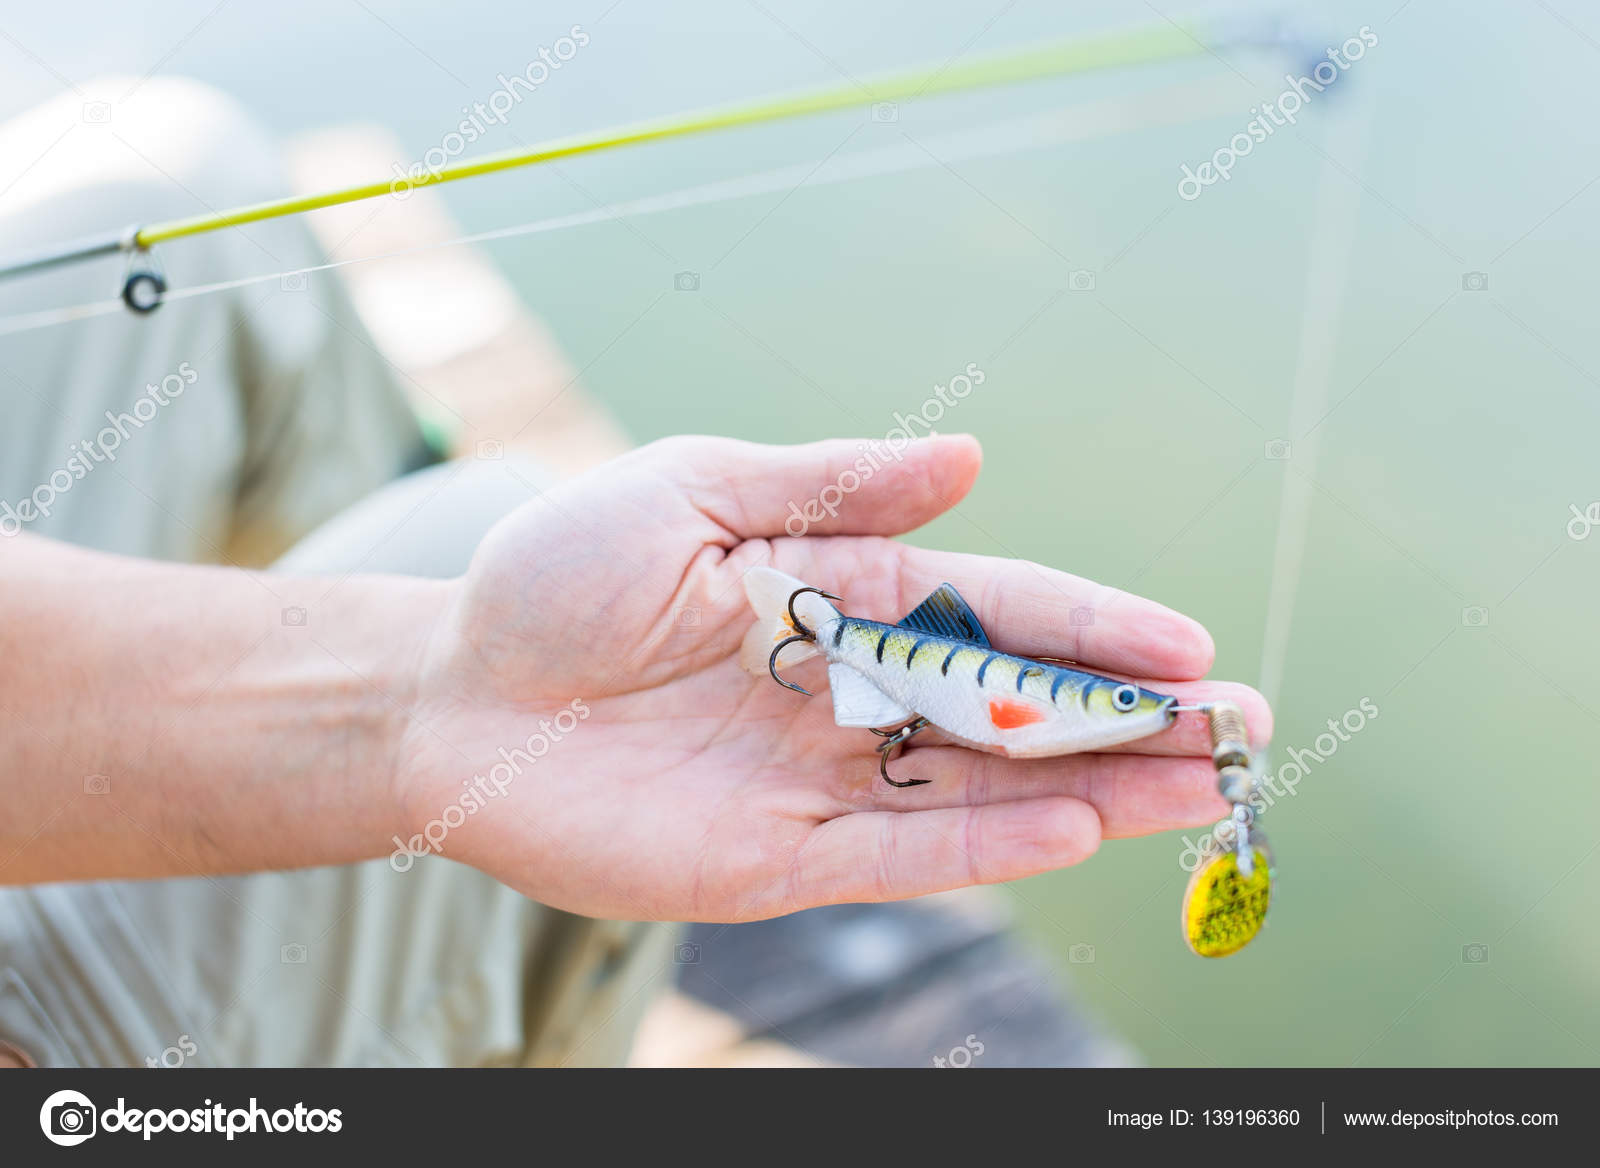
x,y
894,740
772,663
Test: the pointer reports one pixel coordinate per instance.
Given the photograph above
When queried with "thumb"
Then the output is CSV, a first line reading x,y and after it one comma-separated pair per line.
x,y
842,486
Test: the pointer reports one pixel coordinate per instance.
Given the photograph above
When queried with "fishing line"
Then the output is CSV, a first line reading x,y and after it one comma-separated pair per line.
x,y
27,321
1334,231
1172,104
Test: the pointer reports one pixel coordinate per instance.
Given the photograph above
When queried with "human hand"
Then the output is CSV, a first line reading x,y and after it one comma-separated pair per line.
x,y
605,618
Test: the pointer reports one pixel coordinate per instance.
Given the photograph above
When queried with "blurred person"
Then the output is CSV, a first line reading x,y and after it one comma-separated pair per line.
x,y
217,779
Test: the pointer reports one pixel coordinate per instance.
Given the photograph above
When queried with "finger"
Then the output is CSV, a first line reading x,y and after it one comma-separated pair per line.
x,y
883,855
1026,608
1031,609
1191,733
1132,794
842,486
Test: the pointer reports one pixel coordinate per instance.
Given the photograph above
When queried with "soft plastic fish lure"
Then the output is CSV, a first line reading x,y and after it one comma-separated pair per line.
x,y
936,668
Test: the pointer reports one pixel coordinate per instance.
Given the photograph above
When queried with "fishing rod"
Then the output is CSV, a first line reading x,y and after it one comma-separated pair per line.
x,y
143,290
1183,102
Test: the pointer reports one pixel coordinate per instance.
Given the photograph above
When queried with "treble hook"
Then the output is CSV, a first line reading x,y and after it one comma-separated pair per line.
x,y
801,634
892,739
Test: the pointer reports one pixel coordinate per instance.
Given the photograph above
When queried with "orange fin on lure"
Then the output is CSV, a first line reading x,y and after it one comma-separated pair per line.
x,y
1008,714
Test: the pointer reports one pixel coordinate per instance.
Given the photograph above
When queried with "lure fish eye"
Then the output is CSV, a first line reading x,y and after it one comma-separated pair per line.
x,y
1125,697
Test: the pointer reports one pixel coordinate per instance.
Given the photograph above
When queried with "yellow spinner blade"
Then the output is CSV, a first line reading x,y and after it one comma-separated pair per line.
x,y
1222,909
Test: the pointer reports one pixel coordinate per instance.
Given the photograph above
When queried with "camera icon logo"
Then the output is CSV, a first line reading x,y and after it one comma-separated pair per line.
x,y
686,953
292,282
67,1118
1475,616
1474,281
293,953
689,617
97,113
1081,280
686,282
1081,617
96,785
1277,449
294,617
491,450
1475,954
885,112
1081,955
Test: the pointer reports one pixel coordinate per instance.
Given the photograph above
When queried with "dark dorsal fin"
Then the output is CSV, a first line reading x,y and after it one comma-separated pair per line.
x,y
945,614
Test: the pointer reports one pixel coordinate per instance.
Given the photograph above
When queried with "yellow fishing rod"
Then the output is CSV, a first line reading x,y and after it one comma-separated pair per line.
x,y
143,290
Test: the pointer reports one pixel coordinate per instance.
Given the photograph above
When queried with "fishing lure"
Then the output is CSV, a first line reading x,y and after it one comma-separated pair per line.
x,y
937,668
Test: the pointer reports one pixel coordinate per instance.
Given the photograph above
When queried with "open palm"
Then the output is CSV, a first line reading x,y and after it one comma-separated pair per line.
x,y
675,785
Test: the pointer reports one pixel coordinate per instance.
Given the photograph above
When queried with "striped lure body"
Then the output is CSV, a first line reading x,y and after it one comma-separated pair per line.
x,y
938,664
